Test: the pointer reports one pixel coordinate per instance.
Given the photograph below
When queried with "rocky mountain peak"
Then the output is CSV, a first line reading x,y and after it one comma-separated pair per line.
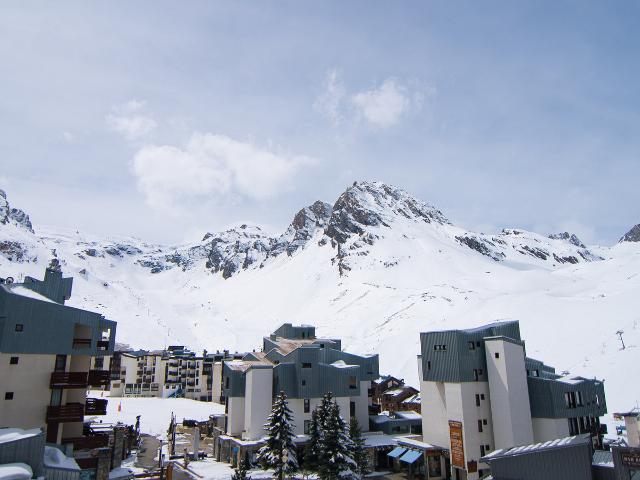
x,y
367,204
13,215
632,235
569,237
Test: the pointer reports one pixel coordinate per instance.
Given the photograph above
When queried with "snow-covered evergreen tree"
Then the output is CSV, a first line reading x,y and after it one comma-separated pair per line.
x,y
324,409
240,472
337,452
359,454
313,450
279,453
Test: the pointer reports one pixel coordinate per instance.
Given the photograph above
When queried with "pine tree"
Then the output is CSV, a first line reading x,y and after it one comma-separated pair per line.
x,y
280,452
313,451
337,452
240,472
324,410
359,454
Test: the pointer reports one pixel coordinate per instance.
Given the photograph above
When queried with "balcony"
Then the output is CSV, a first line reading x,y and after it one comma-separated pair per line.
x,y
68,380
99,378
103,345
88,442
95,406
81,343
72,412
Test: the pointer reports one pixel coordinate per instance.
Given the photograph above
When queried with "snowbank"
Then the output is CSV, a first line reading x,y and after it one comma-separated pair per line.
x,y
15,471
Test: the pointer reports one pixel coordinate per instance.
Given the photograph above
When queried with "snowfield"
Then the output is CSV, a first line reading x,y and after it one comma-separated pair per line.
x,y
155,412
381,269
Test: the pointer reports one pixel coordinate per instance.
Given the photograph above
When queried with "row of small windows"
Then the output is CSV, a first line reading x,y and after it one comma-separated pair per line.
x,y
440,348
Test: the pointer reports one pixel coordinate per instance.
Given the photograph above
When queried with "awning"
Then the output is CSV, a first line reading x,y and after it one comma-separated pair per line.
x,y
411,456
396,452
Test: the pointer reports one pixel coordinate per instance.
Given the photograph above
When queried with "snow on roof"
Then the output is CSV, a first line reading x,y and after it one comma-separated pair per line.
x,y
378,439
54,458
15,471
25,292
394,392
120,472
14,434
416,441
412,399
551,444
342,364
409,415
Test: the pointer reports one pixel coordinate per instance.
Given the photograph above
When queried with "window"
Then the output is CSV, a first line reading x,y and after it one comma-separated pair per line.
x,y
8,395
304,382
13,361
484,421
535,373
99,362
487,448
482,396
440,348
497,355
353,383
226,382
480,425
472,345
307,427
477,400
61,363
477,373
322,345
352,409
19,327
481,450
306,365
428,364
579,399
307,405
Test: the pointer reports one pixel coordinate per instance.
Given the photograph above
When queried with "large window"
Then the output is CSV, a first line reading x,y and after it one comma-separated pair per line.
x,y
307,405
353,382
352,409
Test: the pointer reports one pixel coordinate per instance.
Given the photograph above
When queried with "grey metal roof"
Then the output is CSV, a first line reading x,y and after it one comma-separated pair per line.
x,y
537,447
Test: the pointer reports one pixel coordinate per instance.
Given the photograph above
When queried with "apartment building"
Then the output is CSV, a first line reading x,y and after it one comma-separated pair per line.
x,y
45,357
305,367
175,372
480,392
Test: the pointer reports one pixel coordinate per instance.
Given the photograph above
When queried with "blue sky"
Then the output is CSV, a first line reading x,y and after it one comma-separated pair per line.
x,y
165,120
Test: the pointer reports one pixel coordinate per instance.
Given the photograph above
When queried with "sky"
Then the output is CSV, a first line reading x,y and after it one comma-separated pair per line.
x,y
165,120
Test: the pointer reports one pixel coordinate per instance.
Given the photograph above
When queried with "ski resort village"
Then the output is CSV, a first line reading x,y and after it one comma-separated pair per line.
x,y
373,338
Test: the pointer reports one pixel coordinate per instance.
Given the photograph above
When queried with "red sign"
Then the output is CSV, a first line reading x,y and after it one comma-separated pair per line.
x,y
457,444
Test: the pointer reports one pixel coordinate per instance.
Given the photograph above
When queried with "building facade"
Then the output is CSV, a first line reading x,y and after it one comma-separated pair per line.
x,y
480,392
45,357
305,368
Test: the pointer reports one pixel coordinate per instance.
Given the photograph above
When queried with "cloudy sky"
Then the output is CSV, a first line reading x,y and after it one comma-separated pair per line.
x,y
164,120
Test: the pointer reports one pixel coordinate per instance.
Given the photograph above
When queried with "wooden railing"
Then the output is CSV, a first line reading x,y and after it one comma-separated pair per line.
x,y
89,442
68,380
99,378
72,412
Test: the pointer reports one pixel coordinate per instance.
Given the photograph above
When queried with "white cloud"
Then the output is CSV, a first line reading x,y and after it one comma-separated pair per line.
x,y
383,106
211,166
130,120
329,103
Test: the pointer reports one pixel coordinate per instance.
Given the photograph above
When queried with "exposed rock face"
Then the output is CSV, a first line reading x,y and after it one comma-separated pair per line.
x,y
13,215
632,235
305,225
569,237
481,245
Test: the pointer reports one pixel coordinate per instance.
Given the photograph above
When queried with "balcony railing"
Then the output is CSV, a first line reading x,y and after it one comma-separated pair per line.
x,y
68,380
99,378
72,412
88,443
95,406
81,343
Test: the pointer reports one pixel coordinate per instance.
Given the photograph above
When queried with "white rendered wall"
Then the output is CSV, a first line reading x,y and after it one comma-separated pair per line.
x,y
545,429
299,416
216,387
633,436
235,416
258,401
29,382
435,414
362,406
509,394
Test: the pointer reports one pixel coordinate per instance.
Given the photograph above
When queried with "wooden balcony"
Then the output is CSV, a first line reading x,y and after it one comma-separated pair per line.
x,y
88,443
95,406
72,412
99,378
68,380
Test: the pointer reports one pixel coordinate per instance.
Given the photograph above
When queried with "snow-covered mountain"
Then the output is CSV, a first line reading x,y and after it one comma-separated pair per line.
x,y
375,268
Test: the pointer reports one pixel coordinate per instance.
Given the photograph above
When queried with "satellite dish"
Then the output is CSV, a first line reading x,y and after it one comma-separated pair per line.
x,y
8,280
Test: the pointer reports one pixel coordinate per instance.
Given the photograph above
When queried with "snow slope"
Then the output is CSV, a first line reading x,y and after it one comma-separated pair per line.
x,y
376,268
